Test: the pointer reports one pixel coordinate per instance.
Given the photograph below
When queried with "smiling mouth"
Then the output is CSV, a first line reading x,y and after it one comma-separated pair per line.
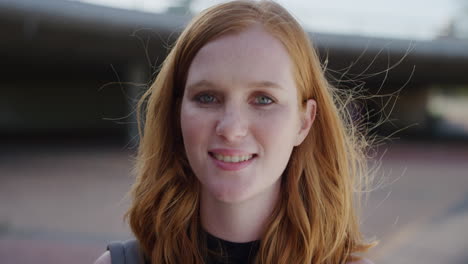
x,y
232,159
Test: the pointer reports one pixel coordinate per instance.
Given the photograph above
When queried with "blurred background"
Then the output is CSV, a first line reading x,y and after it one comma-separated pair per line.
x,y
71,72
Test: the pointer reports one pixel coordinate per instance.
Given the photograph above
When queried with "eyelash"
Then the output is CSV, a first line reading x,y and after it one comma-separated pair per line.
x,y
266,97
199,98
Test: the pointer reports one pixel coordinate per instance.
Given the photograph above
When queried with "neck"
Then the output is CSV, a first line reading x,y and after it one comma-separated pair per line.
x,y
237,222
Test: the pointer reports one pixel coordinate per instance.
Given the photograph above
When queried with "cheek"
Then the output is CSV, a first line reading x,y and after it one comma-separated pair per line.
x,y
277,134
277,127
195,128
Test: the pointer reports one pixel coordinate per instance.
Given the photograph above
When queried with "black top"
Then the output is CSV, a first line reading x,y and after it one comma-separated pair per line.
x,y
219,252
224,252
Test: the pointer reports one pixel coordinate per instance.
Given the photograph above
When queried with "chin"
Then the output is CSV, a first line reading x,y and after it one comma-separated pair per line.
x,y
231,195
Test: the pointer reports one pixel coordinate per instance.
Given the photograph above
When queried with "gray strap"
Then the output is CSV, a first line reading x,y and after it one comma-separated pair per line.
x,y
127,252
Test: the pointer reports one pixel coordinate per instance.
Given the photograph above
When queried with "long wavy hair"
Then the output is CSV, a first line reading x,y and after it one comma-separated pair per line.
x,y
316,218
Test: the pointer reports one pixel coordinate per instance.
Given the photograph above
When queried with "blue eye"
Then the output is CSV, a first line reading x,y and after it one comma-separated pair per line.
x,y
263,100
205,98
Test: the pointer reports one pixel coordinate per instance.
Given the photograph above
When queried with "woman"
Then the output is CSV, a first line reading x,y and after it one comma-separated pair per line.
x,y
245,155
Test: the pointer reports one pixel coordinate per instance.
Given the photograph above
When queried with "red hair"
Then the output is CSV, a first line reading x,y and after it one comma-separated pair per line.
x,y
315,220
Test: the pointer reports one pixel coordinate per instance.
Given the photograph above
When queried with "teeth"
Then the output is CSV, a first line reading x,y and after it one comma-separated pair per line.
x,y
232,159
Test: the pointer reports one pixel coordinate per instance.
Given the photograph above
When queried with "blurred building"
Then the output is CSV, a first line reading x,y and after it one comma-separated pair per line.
x,y
71,69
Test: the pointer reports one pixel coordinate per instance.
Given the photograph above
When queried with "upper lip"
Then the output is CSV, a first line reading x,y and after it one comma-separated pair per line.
x,y
230,152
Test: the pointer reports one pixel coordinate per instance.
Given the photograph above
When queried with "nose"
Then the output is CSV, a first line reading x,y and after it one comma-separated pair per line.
x,y
232,125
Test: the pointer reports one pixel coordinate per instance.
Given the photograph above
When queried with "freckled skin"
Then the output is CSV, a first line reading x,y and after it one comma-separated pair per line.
x,y
235,120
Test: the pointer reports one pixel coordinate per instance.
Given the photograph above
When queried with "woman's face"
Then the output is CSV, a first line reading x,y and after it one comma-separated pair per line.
x,y
240,117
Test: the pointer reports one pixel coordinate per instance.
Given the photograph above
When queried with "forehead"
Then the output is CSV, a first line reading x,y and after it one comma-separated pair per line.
x,y
250,55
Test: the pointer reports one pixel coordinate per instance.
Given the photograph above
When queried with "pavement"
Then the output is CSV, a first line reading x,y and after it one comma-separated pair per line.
x,y
63,204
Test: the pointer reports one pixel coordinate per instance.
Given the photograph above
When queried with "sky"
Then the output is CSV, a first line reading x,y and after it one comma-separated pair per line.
x,y
407,19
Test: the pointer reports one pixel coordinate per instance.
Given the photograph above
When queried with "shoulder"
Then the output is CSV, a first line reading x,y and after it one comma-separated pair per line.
x,y
361,261
104,258
128,251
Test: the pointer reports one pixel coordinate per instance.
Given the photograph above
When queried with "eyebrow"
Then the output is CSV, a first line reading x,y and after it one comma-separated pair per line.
x,y
265,84
258,84
201,84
